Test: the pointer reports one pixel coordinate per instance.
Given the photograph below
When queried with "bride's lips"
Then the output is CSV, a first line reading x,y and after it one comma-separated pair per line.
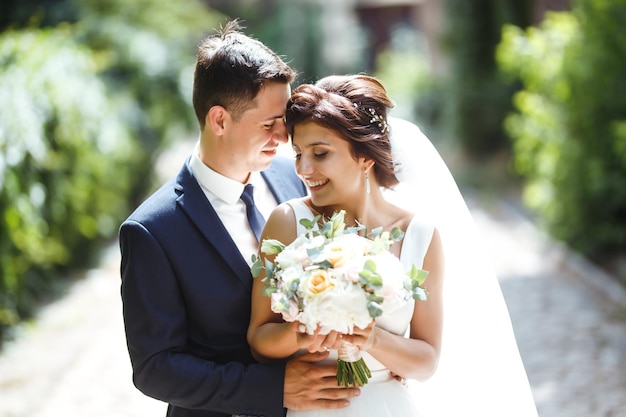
x,y
316,184
269,152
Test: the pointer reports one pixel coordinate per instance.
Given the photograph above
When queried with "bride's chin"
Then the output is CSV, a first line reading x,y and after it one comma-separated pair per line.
x,y
318,201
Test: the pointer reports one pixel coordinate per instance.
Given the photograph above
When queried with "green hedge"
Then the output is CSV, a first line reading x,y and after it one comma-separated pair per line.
x,y
477,98
85,109
65,162
569,133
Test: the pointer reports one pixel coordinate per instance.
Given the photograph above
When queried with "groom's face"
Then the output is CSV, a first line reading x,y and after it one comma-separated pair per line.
x,y
250,141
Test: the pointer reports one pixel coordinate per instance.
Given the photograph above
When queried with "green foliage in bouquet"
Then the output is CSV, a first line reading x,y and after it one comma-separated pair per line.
x,y
341,268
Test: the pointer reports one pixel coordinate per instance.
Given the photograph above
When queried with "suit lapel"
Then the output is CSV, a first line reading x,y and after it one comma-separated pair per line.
x,y
283,183
195,204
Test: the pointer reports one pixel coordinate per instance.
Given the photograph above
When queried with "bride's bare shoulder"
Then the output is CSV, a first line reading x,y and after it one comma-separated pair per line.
x,y
281,224
402,217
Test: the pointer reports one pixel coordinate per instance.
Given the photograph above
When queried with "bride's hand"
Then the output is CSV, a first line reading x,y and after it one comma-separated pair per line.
x,y
363,338
316,342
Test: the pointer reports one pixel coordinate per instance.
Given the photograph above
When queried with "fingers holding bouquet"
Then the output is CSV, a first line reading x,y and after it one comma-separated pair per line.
x,y
319,341
364,339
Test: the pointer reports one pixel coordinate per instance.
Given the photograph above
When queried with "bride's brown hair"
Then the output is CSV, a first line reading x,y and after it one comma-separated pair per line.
x,y
355,107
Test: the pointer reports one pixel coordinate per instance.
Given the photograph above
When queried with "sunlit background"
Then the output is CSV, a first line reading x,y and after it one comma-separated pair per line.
x,y
524,99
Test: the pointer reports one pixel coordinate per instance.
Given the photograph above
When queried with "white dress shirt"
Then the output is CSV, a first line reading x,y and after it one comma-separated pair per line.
x,y
224,195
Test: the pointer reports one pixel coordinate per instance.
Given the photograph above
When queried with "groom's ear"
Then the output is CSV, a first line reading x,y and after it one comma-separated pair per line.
x,y
216,119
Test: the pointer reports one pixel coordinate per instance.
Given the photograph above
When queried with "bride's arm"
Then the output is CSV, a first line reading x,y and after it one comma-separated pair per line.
x,y
269,335
415,357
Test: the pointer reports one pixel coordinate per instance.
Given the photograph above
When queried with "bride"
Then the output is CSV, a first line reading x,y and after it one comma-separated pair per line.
x,y
341,137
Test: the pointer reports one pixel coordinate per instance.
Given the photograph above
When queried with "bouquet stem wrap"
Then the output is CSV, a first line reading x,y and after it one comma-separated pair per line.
x,y
351,368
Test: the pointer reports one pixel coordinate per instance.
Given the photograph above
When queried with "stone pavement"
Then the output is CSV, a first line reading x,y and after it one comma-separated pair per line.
x,y
72,360
569,317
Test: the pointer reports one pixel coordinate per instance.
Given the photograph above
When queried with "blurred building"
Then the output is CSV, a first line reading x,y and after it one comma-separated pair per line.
x,y
351,32
391,22
347,35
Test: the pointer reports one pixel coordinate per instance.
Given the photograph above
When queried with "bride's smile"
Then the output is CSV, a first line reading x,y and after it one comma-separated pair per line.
x,y
325,163
315,184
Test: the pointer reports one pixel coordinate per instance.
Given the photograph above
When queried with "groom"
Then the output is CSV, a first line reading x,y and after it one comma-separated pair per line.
x,y
186,280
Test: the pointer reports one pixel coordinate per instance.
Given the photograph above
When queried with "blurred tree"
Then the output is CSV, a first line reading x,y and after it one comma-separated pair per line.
x,y
35,13
147,50
86,106
316,37
570,129
65,163
477,98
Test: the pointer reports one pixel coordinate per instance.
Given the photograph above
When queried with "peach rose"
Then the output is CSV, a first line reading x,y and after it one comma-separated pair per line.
x,y
319,281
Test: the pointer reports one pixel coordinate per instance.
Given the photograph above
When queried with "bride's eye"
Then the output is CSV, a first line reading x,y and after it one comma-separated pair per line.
x,y
320,155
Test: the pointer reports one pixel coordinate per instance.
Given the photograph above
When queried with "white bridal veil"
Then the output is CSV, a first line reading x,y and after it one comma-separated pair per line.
x,y
480,372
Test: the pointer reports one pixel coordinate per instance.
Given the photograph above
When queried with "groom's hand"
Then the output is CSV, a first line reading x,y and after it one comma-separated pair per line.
x,y
309,385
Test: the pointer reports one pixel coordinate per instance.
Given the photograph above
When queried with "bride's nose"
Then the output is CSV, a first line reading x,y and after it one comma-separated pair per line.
x,y
303,166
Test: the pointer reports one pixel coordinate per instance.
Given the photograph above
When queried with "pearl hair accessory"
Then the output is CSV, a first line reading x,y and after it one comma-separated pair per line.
x,y
379,120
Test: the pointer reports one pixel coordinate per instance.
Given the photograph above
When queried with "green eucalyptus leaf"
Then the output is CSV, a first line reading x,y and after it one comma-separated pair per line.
x,y
397,234
257,266
420,294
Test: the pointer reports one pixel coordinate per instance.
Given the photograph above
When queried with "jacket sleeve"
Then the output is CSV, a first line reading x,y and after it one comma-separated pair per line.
x,y
157,333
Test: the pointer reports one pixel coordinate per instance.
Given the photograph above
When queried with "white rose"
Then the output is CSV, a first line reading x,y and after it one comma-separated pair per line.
x,y
293,254
344,248
340,309
393,290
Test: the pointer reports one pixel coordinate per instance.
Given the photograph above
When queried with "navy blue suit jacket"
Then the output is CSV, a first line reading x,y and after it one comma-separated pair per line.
x,y
186,295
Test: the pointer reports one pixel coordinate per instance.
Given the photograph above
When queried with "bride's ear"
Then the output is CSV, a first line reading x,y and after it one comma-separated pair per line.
x,y
367,164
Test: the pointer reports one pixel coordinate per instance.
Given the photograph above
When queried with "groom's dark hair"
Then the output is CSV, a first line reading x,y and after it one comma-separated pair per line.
x,y
231,68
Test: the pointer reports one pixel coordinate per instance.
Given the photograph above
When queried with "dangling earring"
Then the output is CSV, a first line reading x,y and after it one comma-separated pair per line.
x,y
367,182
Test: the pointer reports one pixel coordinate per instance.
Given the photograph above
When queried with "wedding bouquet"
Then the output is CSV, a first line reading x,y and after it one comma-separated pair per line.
x,y
335,279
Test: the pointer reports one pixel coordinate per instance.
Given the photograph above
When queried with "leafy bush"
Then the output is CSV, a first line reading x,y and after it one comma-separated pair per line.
x,y
147,50
407,78
84,110
570,132
477,97
64,162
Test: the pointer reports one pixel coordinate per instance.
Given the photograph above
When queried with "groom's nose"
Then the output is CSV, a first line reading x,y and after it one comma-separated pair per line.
x,y
280,131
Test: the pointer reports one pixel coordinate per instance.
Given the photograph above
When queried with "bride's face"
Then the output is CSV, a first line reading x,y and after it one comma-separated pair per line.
x,y
326,165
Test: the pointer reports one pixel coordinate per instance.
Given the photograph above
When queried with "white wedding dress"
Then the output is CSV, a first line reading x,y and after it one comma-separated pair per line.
x,y
382,396
480,372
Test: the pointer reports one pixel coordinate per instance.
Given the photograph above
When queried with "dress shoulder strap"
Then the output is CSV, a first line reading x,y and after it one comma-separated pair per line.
x,y
301,211
416,243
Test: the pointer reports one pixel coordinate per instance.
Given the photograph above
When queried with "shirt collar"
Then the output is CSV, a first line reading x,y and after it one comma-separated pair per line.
x,y
224,188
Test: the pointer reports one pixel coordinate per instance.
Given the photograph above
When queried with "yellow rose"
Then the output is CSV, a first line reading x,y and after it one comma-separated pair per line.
x,y
320,281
